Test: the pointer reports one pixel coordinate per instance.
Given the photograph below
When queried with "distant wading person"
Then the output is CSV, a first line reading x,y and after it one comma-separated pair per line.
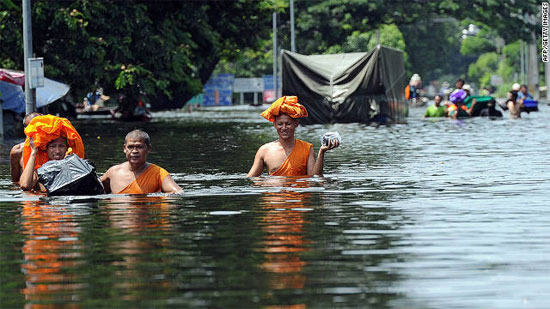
x,y
137,176
436,110
288,156
513,105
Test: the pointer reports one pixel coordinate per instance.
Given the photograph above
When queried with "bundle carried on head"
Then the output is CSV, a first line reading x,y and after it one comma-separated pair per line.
x,y
285,105
46,128
458,96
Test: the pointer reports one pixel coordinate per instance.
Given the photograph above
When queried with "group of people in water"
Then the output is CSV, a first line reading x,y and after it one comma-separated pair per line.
x,y
460,103
53,138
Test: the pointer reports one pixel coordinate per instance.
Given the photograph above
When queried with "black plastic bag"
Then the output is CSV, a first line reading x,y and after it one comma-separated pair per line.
x,y
70,176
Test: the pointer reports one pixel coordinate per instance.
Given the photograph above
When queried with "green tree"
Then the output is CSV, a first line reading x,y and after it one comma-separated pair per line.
x,y
388,35
431,31
482,42
485,66
161,48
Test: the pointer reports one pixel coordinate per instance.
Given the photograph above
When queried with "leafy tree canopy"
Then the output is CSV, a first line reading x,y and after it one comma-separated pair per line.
x,y
156,47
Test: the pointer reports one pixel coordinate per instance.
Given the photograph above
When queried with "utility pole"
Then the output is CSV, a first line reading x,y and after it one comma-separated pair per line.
x,y
275,90
533,67
30,94
292,36
521,58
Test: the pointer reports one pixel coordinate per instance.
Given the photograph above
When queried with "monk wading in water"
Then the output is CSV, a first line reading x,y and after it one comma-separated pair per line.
x,y
137,176
288,156
48,138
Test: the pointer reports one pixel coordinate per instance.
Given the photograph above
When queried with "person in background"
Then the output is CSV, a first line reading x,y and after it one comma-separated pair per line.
x,y
411,91
445,89
468,89
458,109
436,110
513,105
94,100
490,111
459,83
523,94
136,175
16,152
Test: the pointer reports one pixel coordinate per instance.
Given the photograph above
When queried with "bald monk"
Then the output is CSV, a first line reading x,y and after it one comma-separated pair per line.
x,y
288,156
16,152
137,176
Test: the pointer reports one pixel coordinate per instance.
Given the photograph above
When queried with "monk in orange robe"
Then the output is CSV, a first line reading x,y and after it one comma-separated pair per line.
x,y
48,138
137,176
288,156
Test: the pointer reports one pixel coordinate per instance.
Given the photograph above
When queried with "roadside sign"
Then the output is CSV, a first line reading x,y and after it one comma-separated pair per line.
x,y
218,90
255,84
36,76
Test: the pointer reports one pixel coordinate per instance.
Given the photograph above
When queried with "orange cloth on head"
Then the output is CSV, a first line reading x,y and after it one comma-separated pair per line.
x,y
296,162
149,181
288,105
46,128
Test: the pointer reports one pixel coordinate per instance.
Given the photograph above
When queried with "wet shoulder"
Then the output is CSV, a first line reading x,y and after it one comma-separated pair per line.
x,y
17,148
270,146
115,169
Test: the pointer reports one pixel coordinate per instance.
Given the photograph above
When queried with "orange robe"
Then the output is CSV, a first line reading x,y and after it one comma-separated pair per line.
x,y
149,181
296,162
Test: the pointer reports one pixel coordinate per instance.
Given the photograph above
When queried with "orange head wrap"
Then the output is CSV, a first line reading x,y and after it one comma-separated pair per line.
x,y
46,128
288,105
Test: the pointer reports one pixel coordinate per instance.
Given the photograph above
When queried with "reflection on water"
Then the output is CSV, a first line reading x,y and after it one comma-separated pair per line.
x,y
432,214
143,223
51,252
285,239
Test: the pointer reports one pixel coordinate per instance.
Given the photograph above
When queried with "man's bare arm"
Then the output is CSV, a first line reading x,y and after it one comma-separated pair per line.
x,y
15,162
258,165
318,168
311,162
106,181
170,186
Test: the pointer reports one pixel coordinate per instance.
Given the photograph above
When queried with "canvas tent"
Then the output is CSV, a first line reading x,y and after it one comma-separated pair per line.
x,y
350,87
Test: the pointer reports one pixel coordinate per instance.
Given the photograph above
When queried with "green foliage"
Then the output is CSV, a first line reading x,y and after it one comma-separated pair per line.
x,y
161,48
433,50
367,41
506,65
250,62
512,53
483,68
482,42
170,48
8,4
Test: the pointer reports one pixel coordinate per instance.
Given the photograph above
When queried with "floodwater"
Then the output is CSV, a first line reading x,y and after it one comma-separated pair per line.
x,y
430,214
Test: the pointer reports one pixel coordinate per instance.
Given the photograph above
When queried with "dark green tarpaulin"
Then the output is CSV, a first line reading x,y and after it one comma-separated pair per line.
x,y
351,87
